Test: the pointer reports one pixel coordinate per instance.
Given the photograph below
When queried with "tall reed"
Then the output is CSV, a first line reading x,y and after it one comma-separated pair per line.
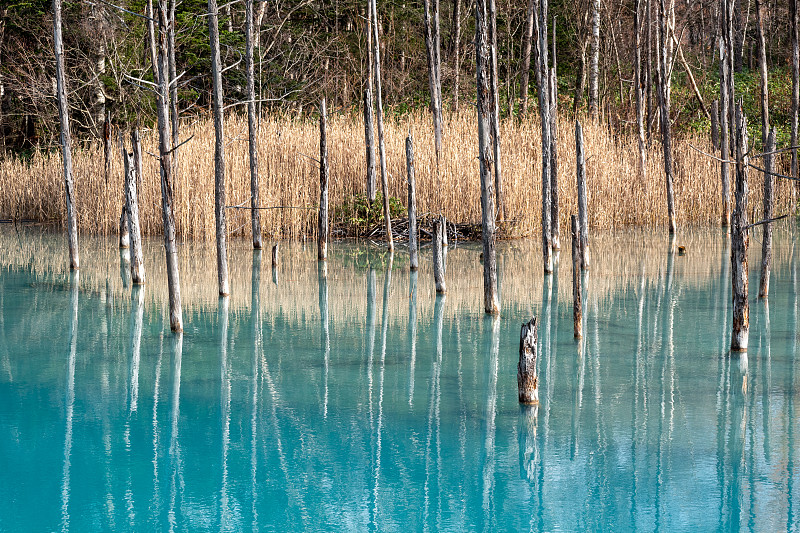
x,y
289,177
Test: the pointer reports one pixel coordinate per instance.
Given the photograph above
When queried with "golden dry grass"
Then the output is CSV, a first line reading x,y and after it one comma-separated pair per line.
x,y
618,196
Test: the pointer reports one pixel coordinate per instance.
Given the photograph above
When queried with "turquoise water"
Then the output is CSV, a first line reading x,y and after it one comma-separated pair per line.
x,y
363,402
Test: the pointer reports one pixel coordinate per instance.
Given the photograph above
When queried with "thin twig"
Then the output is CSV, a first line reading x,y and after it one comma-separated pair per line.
x,y
767,221
710,155
751,165
270,207
125,10
308,156
776,151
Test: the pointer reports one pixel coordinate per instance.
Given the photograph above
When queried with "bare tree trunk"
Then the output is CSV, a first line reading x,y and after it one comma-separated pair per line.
x,y
173,88
724,124
219,150
494,87
544,110
132,209
491,299
413,247
664,80
527,377
439,255
638,89
555,234
433,81
580,78
167,184
152,34
648,74
322,228
594,69
456,50
715,124
99,97
583,209
795,29
740,240
381,145
369,128
66,141
577,303
526,58
766,242
3,17
762,67
252,126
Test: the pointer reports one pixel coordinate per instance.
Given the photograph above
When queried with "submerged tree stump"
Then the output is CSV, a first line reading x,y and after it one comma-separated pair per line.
x,y
438,257
740,241
577,305
132,217
527,379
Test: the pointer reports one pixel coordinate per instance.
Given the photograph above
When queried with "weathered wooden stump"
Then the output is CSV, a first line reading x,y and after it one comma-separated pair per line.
x,y
527,379
438,257
124,235
740,240
413,247
577,305
275,255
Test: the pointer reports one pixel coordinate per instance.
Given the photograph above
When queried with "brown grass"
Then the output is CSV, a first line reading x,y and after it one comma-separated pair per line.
x,y
618,197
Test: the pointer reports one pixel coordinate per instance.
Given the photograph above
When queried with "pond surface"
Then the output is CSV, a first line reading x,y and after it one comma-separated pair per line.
x,y
363,402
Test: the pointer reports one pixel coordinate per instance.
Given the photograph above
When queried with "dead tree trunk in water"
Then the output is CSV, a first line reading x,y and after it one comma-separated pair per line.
x,y
527,379
664,80
740,240
66,140
132,209
795,29
544,110
491,301
577,304
583,216
381,145
219,151
724,124
766,242
526,58
369,128
555,234
438,256
167,185
252,126
494,83
412,206
322,228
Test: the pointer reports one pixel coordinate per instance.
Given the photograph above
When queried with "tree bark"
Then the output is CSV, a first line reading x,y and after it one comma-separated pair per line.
x,y
795,29
173,87
724,123
369,127
438,256
494,87
381,145
526,58
594,68
456,51
167,184
431,24
766,242
322,228
544,110
152,35
219,151
638,90
66,140
715,124
555,234
664,80
252,127
412,206
577,304
527,378
740,241
132,211
490,296
583,216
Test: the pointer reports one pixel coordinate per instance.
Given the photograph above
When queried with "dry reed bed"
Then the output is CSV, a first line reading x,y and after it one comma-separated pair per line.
x,y
618,197
619,263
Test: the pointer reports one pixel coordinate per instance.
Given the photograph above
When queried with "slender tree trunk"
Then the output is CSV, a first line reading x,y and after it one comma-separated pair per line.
x,y
795,29
173,88
664,80
99,97
433,80
322,228
219,151
494,87
437,47
594,69
369,128
381,145
544,110
66,140
3,17
456,50
648,75
762,67
167,183
553,86
638,89
490,297
766,242
740,240
577,299
152,34
724,124
252,126
526,58
580,78
132,210
715,124
583,207
413,248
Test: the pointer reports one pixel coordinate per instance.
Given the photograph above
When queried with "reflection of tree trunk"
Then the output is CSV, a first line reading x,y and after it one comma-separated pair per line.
x,y
412,334
225,399
69,402
322,284
791,519
493,349
433,462
258,338
175,455
387,283
155,503
136,345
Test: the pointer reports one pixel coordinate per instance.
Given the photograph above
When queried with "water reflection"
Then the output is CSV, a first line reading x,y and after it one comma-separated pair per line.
x,y
492,351
69,401
255,309
176,482
412,333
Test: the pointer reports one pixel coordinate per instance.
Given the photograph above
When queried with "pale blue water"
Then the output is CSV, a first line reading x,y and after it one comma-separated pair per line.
x,y
337,411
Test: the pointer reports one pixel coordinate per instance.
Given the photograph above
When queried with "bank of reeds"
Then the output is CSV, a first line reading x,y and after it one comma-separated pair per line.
x,y
289,177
